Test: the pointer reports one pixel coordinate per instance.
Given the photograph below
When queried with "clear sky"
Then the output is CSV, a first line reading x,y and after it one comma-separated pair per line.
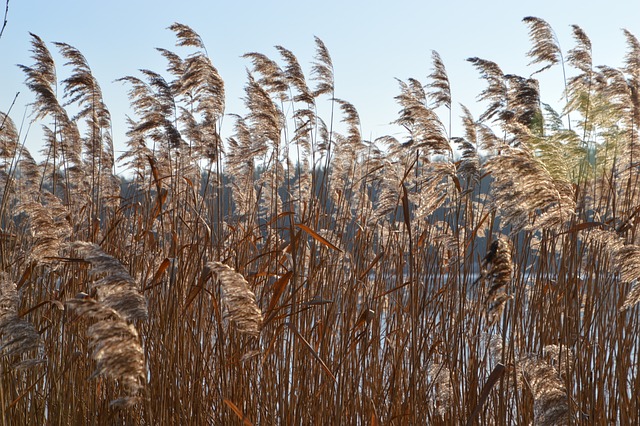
x,y
371,43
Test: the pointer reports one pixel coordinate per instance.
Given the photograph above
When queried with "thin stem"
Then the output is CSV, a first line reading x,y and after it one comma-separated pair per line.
x,y
4,24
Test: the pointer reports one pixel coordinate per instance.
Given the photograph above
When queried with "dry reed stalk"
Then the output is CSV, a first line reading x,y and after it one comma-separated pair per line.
x,y
409,226
5,20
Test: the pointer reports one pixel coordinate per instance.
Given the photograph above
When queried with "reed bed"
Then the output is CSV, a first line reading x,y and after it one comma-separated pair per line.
x,y
296,273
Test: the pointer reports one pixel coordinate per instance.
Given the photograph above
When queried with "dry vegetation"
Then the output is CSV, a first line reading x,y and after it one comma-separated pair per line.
x,y
296,273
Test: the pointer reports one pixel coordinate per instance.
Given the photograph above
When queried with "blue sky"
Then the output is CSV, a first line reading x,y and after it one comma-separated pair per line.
x,y
371,43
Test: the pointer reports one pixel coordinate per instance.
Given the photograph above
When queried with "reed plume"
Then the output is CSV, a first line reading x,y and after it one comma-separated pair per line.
x,y
41,79
113,339
497,270
295,77
63,147
272,77
113,286
632,69
523,99
8,138
265,118
625,258
82,89
523,186
322,70
439,83
496,91
238,299
49,224
240,165
203,86
115,346
186,36
441,377
469,166
551,405
17,335
426,131
545,48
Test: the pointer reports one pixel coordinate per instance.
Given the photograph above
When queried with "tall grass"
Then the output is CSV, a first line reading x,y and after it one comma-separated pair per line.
x,y
296,273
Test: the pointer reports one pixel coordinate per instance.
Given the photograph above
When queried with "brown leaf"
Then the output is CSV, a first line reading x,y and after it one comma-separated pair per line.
x,y
156,277
317,237
495,375
314,353
278,289
237,411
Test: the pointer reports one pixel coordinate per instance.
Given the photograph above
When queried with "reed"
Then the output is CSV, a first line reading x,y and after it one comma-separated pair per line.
x,y
296,273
